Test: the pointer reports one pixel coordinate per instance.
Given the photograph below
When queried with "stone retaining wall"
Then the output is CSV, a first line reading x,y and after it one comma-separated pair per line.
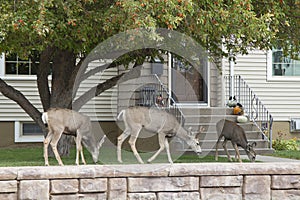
x,y
153,181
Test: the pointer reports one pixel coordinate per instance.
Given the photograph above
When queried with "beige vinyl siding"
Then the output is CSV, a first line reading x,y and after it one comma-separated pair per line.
x,y
100,108
216,93
11,111
281,98
104,106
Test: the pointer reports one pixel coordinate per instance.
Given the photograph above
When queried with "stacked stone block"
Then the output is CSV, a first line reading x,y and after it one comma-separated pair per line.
x,y
205,181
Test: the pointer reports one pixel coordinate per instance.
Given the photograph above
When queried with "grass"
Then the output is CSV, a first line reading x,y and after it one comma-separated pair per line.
x,y
292,154
33,156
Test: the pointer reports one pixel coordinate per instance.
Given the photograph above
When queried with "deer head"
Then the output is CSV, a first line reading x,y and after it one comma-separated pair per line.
x,y
93,147
250,151
193,141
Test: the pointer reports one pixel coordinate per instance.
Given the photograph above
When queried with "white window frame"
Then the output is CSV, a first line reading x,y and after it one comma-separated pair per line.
x,y
19,137
270,76
12,76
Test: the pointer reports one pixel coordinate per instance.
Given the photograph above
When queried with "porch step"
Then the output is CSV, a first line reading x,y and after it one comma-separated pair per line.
x,y
211,152
212,126
212,135
206,111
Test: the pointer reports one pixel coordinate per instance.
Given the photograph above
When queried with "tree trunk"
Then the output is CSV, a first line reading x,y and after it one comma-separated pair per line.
x,y
64,65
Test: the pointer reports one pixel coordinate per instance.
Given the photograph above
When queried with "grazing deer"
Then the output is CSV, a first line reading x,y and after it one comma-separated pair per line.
x,y
154,120
236,134
70,122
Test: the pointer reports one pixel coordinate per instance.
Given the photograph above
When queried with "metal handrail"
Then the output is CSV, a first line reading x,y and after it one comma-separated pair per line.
x,y
170,103
252,105
153,90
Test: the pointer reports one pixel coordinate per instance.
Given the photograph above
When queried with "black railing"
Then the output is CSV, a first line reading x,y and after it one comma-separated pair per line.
x,y
156,94
254,108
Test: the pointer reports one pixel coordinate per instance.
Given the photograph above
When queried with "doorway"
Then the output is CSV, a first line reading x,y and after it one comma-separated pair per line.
x,y
189,83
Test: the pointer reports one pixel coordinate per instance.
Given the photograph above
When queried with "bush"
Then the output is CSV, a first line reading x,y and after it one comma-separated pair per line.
x,y
280,144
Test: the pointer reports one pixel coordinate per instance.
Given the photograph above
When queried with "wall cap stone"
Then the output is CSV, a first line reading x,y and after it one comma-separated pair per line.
x,y
142,170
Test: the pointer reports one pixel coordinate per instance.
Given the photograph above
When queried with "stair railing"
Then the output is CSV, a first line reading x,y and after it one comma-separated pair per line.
x,y
253,107
154,89
169,102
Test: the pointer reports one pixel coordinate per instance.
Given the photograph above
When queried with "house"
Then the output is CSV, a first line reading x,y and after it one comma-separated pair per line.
x,y
272,80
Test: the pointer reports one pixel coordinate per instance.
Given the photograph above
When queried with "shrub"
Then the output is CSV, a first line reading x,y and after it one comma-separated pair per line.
x,y
281,144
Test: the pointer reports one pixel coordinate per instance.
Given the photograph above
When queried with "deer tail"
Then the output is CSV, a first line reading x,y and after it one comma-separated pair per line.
x,y
45,117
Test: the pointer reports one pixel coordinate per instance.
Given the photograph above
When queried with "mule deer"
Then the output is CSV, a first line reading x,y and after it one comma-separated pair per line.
x,y
71,123
236,134
154,120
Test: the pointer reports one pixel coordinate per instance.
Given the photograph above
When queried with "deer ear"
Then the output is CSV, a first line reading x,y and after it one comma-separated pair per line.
x,y
101,141
190,132
253,144
201,129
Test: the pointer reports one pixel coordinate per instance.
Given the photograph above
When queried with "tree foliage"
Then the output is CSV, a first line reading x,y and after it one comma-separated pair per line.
x,y
79,26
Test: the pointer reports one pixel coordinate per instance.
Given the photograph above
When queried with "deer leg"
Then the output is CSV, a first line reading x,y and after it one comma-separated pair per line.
x,y
225,148
237,152
82,156
46,145
79,149
168,150
216,154
161,141
53,144
132,141
121,139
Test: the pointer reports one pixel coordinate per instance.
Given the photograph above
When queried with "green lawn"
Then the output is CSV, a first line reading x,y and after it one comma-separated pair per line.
x,y
292,154
287,148
33,156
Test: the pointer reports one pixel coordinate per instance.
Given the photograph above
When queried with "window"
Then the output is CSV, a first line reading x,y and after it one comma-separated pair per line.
x,y
31,129
16,66
28,132
284,66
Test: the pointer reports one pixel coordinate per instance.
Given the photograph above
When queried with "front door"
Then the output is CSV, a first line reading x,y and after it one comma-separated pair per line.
x,y
189,83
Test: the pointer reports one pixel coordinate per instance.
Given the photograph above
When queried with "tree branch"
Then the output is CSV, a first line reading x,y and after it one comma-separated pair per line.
x,y
43,70
23,102
95,91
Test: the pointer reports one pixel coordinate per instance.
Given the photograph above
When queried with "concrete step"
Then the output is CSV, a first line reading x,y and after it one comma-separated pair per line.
x,y
210,144
208,118
207,111
212,135
212,126
259,151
